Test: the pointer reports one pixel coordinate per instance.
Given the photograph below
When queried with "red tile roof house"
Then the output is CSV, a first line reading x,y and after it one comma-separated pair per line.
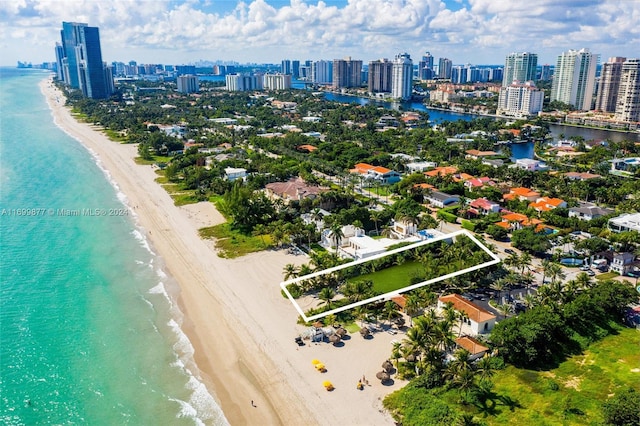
x,y
479,319
522,194
478,183
483,206
513,221
476,349
544,204
378,173
293,189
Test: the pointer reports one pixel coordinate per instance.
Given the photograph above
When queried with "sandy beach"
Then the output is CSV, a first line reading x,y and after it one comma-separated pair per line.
x,y
241,327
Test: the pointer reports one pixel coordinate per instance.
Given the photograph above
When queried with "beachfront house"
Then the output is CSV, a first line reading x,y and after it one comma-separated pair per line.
x,y
295,189
478,321
475,348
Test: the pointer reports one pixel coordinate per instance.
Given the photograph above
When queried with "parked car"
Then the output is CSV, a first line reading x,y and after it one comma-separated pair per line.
x,y
585,268
509,251
591,273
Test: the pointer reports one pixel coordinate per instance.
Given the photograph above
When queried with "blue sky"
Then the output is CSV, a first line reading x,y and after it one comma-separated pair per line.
x,y
184,31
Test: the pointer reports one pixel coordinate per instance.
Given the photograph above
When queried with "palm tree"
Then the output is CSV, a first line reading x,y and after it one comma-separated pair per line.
x,y
484,368
505,309
396,353
376,217
513,260
556,273
336,234
525,262
316,215
545,269
290,271
463,317
498,285
390,310
413,306
584,281
357,290
326,295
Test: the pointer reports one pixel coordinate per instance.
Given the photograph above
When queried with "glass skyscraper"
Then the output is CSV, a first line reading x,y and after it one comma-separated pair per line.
x,y
81,61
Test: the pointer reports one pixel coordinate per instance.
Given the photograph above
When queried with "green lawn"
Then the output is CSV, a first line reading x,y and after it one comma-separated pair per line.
x,y
606,276
392,278
573,393
231,243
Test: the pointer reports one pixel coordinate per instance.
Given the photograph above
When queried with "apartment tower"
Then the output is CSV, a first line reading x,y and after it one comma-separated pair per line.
x,y
574,78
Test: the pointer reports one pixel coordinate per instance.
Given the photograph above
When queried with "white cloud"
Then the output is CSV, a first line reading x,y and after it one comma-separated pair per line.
x,y
478,31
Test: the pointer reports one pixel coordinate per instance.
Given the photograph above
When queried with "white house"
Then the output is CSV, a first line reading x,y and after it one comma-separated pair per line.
x,y
531,165
420,166
479,320
625,222
233,173
622,263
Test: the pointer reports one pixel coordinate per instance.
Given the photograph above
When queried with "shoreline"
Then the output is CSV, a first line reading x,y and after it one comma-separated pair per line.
x,y
240,326
155,217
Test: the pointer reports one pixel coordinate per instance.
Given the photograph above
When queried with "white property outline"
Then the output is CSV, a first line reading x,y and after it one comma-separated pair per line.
x,y
283,285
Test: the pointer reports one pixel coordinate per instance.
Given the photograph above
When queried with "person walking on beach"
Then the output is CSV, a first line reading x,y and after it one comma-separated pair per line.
x,y
252,404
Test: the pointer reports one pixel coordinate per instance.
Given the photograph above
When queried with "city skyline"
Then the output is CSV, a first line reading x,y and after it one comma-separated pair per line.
x,y
267,31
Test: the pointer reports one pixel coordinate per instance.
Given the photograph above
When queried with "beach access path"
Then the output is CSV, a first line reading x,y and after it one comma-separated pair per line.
x,y
240,326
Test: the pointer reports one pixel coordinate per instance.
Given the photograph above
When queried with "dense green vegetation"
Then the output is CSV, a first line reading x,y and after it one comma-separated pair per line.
x,y
557,342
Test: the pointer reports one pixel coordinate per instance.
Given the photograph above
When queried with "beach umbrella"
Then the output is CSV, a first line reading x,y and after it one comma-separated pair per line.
x,y
326,383
341,332
383,376
320,367
364,332
387,366
334,339
315,361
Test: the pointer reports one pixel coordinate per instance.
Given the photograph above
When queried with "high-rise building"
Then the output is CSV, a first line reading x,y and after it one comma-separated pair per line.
x,y
519,67
520,99
277,81
380,74
425,67
459,74
444,68
347,73
628,103
545,72
295,69
285,66
402,77
244,82
59,59
188,83
574,78
608,86
82,66
322,72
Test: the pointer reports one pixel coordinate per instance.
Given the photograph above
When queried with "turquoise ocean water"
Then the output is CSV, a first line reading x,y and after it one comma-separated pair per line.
x,y
88,331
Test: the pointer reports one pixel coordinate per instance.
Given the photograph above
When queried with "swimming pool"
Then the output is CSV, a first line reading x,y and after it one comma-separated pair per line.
x,y
570,261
